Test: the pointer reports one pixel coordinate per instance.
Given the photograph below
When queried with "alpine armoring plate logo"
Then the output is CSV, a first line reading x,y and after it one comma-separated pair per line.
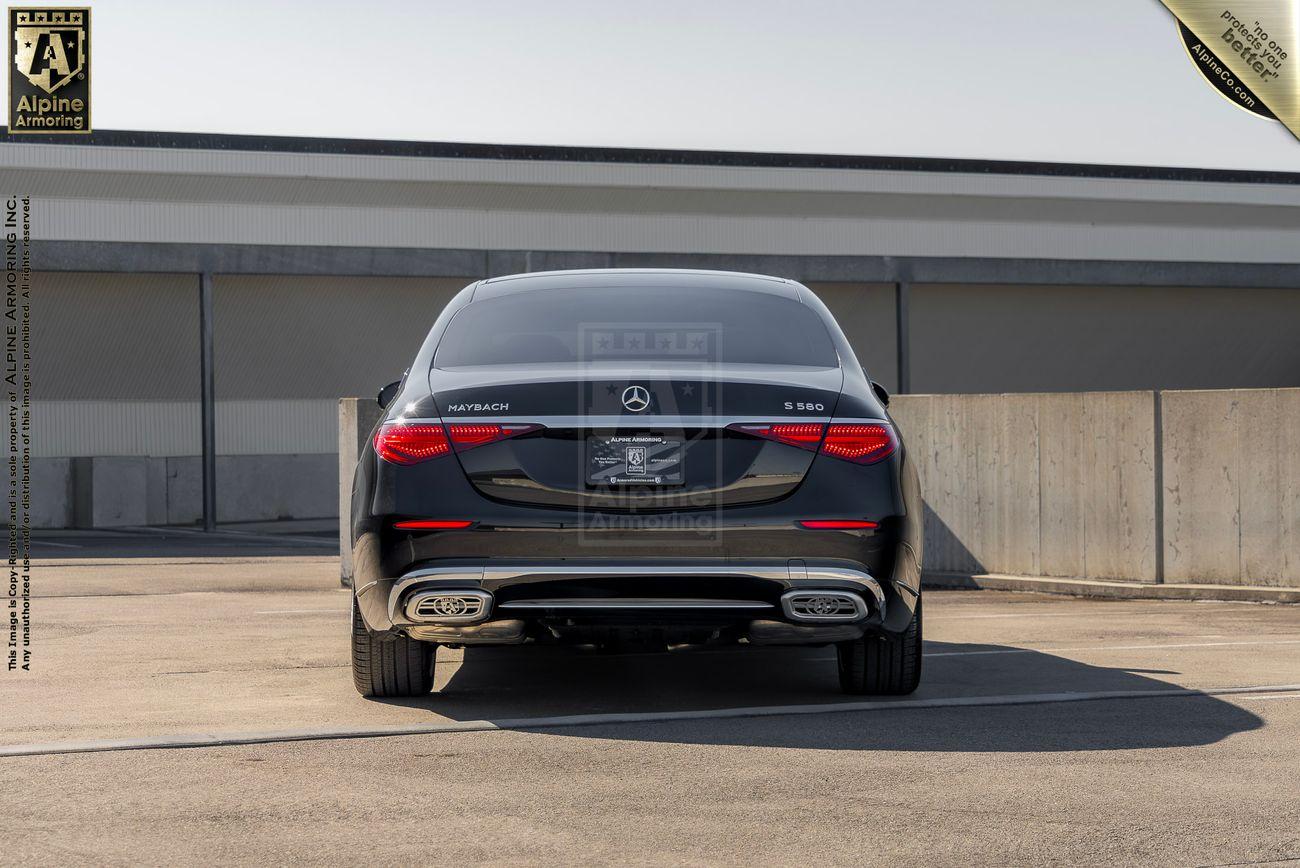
x,y
49,81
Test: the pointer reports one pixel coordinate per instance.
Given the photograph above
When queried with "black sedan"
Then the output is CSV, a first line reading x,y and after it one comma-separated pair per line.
x,y
635,459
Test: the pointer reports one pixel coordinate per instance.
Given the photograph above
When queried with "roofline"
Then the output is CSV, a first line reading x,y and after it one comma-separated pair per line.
x,y
677,272
642,156
606,278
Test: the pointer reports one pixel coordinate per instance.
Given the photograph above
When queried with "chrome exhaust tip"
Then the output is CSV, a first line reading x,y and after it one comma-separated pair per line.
x,y
448,606
508,632
823,606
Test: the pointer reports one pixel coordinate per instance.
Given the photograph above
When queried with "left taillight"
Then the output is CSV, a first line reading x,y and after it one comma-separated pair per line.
x,y
411,442
467,436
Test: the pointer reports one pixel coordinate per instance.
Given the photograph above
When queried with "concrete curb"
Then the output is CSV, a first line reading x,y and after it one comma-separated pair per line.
x,y
1114,590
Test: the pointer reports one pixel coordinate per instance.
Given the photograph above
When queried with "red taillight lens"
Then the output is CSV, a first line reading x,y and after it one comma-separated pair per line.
x,y
836,524
860,443
410,442
467,436
805,435
432,524
413,442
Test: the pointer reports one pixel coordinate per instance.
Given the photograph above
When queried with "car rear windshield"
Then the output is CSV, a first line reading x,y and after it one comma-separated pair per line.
x,y
595,324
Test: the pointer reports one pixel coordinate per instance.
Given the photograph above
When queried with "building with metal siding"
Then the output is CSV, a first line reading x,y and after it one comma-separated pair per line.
x,y
329,258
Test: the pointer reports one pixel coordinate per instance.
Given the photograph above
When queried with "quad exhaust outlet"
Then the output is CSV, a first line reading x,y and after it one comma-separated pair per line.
x,y
822,606
448,606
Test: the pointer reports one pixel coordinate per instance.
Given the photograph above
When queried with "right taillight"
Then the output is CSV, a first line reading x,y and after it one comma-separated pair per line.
x,y
859,442
411,442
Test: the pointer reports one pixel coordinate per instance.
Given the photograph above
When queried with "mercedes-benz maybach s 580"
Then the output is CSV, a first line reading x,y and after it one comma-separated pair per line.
x,y
635,459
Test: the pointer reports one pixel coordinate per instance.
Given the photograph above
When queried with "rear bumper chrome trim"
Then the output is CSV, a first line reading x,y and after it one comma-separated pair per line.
x,y
616,603
794,575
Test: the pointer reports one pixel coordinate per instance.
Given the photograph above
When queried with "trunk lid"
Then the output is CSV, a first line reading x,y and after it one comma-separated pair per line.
x,y
634,437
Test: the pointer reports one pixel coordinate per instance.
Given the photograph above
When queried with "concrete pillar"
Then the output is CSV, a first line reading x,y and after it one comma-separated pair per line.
x,y
357,418
53,494
902,308
209,403
110,491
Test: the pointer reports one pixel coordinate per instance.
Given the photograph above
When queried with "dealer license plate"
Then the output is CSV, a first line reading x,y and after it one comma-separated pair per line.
x,y
634,459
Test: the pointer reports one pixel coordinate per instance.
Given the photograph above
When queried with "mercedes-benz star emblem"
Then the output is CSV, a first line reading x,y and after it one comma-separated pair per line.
x,y
636,398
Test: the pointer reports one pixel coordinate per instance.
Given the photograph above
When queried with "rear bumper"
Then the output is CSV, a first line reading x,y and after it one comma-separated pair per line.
x,y
766,601
528,556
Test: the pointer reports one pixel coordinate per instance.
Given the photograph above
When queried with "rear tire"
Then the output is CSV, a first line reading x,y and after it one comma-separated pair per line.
x,y
882,665
389,667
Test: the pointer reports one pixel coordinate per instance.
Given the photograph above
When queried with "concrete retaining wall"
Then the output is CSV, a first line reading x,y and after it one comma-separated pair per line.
x,y
1181,487
120,491
1232,486
1058,484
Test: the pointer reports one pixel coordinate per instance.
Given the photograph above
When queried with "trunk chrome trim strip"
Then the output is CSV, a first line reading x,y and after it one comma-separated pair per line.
x,y
639,421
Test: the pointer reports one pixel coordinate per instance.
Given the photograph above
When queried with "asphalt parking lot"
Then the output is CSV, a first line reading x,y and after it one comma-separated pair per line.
x,y
1047,729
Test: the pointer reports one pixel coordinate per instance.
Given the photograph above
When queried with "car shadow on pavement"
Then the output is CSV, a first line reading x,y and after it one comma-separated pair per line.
x,y
512,685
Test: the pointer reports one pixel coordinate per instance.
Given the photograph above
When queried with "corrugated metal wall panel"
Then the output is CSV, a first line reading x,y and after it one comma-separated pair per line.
x,y
158,168
74,429
123,194
935,235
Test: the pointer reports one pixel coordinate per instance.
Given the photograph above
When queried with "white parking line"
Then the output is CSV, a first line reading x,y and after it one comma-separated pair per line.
x,y
238,534
301,611
186,740
1116,611
1110,648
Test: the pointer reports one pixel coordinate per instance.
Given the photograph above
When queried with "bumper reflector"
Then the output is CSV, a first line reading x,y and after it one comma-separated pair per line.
x,y
836,524
432,524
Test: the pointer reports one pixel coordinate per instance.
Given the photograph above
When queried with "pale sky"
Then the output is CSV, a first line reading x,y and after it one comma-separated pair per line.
x,y
1102,81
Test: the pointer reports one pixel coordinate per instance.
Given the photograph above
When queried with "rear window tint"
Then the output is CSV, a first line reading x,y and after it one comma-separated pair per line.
x,y
594,324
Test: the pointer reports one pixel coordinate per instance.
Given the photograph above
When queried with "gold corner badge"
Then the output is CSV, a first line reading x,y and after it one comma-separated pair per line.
x,y
1247,49
49,81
